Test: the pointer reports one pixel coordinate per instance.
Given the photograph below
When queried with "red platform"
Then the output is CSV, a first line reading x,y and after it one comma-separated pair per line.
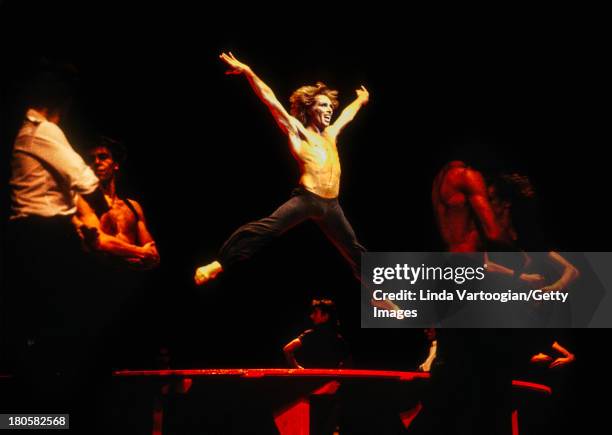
x,y
290,373
296,386
292,411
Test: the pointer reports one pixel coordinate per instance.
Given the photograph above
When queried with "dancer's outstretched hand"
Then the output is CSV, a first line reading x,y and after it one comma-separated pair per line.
x,y
540,358
562,361
236,67
363,94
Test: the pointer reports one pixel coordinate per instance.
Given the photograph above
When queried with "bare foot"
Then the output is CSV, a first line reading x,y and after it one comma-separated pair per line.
x,y
206,273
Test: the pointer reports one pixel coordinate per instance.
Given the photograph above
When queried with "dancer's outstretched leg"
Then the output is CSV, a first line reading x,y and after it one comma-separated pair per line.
x,y
250,238
339,231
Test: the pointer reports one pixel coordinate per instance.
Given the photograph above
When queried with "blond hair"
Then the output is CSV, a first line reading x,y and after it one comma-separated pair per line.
x,y
303,98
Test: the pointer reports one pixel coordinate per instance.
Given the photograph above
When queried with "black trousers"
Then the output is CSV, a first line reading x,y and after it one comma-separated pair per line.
x,y
42,293
303,205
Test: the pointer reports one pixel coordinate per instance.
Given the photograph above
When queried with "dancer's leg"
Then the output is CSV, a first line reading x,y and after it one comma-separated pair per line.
x,y
250,238
339,231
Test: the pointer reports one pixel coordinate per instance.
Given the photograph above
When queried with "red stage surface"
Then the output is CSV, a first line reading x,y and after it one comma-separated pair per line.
x,y
288,391
294,389
260,373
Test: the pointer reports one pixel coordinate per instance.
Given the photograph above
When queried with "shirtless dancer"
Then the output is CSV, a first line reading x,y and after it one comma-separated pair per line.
x,y
466,220
468,225
124,221
312,139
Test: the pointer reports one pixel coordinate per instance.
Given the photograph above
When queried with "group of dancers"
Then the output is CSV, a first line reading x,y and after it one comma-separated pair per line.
x,y
61,201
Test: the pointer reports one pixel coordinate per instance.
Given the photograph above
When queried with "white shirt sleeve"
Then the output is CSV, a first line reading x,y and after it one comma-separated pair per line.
x,y
51,147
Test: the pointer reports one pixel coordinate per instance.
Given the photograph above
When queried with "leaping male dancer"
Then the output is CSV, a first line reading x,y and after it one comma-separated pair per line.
x,y
312,139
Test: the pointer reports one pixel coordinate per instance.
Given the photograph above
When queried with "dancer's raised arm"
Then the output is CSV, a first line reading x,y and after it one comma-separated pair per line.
x,y
286,122
349,112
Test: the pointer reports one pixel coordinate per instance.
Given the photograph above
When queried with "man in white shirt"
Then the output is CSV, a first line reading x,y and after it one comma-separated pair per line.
x,y
46,291
47,174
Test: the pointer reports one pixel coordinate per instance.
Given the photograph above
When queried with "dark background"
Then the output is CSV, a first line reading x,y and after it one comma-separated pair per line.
x,y
205,156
